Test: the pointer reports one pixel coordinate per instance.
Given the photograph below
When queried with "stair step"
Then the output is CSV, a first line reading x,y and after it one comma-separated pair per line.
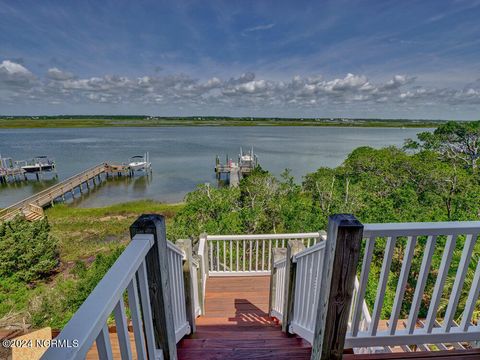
x,y
231,344
253,320
282,353
31,216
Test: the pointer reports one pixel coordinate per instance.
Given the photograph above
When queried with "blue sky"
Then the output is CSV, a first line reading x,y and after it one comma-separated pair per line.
x,y
408,59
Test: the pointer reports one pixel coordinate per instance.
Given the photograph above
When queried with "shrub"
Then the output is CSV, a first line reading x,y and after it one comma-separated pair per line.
x,y
27,250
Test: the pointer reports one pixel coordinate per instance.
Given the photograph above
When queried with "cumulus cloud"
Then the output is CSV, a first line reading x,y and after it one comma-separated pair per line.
x,y
57,74
14,73
244,91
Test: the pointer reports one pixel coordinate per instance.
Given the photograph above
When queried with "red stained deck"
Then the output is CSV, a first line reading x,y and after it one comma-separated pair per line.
x,y
236,324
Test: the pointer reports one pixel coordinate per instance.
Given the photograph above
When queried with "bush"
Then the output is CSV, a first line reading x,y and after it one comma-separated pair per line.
x,y
55,306
27,250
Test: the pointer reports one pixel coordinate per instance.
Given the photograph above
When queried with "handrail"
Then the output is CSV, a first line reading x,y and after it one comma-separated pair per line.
x,y
240,255
266,236
309,250
89,323
175,248
453,235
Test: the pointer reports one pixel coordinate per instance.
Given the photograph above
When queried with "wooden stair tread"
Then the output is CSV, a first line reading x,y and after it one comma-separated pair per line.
x,y
283,353
237,325
222,343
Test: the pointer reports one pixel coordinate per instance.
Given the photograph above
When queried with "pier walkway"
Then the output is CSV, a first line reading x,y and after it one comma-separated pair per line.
x,y
32,206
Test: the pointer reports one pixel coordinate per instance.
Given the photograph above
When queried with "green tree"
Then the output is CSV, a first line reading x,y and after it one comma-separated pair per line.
x,y
458,141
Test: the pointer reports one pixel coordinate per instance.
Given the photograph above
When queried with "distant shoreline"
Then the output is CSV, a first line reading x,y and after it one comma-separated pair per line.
x,y
125,121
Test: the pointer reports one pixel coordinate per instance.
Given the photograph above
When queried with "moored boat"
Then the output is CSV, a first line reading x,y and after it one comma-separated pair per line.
x,y
139,162
39,164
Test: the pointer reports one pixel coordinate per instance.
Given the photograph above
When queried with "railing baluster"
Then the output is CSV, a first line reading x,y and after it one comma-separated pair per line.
x,y
307,286
238,242
256,255
317,287
210,266
243,258
224,256
459,280
421,282
442,276
218,255
231,255
263,255
301,270
122,330
269,255
391,240
402,282
134,305
104,347
173,290
311,289
472,299
181,290
367,260
250,262
146,310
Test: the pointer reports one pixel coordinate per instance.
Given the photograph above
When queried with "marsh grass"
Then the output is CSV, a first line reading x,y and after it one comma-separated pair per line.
x,y
85,232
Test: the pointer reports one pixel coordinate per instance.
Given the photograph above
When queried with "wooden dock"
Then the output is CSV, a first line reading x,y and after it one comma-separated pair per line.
x,y
32,207
233,172
10,175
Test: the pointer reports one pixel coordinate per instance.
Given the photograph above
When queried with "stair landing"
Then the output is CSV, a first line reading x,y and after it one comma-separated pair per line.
x,y
236,324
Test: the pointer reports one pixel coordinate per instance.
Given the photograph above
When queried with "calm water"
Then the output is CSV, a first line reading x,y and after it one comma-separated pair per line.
x,y
182,157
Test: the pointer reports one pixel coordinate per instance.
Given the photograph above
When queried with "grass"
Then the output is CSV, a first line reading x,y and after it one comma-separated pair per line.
x,y
85,232
142,121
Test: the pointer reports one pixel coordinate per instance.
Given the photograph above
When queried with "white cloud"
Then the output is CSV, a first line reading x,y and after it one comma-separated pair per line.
x,y
18,85
12,73
57,74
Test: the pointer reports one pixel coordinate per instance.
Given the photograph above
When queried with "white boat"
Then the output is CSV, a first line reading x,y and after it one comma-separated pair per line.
x,y
139,162
38,164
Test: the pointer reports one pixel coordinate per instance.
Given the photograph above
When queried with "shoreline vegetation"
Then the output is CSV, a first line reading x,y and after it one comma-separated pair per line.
x,y
48,268
87,121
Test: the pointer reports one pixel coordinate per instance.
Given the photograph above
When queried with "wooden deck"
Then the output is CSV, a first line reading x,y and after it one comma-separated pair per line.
x,y
237,326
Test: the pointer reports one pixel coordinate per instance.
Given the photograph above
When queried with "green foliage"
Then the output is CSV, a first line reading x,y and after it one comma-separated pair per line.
x,y
458,141
55,306
27,250
377,185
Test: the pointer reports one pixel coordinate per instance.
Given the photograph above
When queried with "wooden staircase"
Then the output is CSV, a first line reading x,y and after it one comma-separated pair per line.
x,y
33,212
237,325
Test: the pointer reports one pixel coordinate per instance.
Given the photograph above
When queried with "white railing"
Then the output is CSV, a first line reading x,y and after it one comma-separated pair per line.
x,y
247,255
422,240
177,290
89,323
278,295
308,280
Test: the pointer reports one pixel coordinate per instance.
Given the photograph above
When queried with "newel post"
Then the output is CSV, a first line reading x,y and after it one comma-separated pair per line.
x,y
186,246
342,253
159,288
293,247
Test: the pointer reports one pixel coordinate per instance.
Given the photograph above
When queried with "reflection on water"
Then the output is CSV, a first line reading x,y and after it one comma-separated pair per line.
x,y
181,157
